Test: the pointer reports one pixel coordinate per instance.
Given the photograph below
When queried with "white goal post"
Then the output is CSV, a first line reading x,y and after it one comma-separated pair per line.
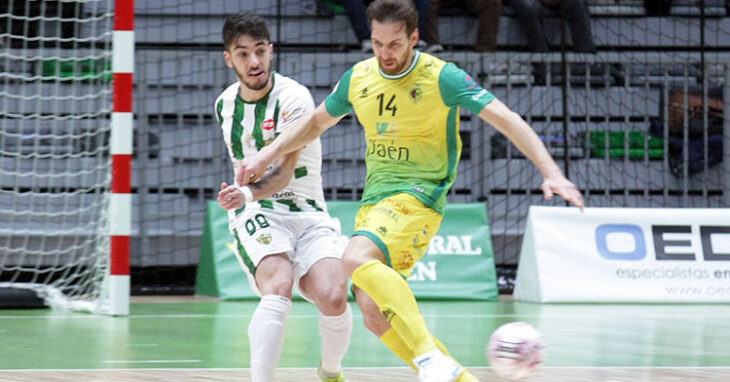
x,y
65,152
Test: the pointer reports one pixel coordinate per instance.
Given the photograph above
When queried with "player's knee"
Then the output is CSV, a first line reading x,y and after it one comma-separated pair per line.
x,y
350,262
333,301
353,260
360,250
279,285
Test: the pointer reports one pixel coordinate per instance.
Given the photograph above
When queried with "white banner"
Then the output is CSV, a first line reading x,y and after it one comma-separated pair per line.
x,y
625,255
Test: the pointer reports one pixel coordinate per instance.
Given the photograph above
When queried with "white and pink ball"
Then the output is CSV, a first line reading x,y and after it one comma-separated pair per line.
x,y
515,350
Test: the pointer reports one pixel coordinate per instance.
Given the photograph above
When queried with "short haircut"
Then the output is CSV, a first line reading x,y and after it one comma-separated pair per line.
x,y
244,24
384,11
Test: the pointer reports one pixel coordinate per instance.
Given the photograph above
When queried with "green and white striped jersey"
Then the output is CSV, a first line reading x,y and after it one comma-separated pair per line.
x,y
249,126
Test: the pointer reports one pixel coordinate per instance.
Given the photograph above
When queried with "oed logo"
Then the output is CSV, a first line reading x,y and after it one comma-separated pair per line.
x,y
628,242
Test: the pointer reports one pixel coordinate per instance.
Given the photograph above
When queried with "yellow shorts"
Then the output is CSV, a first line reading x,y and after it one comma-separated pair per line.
x,y
401,226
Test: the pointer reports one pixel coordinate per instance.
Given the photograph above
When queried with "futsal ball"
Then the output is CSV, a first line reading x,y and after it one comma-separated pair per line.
x,y
515,350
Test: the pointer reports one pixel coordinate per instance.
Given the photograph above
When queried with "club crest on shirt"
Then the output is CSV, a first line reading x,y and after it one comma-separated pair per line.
x,y
416,93
264,239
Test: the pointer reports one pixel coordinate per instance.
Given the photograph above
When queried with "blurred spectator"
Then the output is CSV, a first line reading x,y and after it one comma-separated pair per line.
x,y
488,13
658,7
356,12
531,13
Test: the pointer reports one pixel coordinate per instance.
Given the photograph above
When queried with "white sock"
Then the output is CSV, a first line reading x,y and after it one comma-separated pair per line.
x,y
266,336
335,332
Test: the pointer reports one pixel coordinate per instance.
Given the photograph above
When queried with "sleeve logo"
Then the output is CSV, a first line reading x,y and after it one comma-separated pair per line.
x,y
470,84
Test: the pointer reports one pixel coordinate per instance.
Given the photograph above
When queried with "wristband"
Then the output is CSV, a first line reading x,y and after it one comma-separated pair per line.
x,y
247,193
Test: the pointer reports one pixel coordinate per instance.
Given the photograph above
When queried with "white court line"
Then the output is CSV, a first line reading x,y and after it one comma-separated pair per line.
x,y
384,367
127,361
309,316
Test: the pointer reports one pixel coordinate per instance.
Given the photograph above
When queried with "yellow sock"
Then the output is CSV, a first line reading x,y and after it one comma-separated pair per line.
x,y
393,341
394,298
466,376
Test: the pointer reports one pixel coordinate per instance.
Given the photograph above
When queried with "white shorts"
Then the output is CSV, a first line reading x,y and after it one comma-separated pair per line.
x,y
305,237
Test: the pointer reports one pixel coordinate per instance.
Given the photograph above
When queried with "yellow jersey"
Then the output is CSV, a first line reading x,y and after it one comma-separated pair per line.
x,y
411,123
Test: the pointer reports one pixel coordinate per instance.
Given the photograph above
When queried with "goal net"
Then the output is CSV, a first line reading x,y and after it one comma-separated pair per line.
x,y
55,106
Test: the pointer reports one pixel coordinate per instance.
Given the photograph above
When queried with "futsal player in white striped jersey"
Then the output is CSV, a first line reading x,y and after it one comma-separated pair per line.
x,y
284,236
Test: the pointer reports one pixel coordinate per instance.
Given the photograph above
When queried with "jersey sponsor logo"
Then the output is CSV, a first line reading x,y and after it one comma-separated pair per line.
x,y
268,124
285,115
381,127
288,114
388,151
388,212
418,189
476,97
284,194
264,238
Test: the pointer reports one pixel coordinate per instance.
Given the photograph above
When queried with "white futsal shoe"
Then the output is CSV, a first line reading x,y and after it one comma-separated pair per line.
x,y
435,366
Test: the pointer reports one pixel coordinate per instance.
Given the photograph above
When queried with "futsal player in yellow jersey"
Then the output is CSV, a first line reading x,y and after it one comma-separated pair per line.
x,y
408,103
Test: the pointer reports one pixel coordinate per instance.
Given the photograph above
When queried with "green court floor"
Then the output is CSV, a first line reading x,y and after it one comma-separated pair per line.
x,y
208,334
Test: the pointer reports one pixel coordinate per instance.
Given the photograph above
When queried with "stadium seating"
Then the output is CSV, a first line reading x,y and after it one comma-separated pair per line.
x,y
179,72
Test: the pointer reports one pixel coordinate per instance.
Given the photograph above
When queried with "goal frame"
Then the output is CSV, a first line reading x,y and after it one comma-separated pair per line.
x,y
121,150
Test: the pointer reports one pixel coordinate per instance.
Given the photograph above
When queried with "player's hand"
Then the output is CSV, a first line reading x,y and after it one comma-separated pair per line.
x,y
253,167
230,197
559,184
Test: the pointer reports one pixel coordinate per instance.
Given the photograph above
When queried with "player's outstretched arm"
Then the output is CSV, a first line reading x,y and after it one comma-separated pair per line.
x,y
276,178
523,136
307,130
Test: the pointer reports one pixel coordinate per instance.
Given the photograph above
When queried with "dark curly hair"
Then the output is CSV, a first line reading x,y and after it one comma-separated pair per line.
x,y
385,11
244,24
